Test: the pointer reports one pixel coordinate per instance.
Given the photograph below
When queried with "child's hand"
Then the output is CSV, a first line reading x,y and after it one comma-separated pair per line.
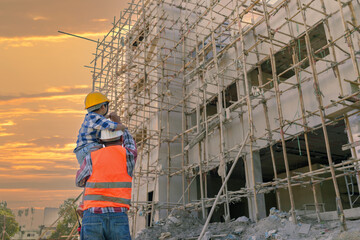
x,y
114,117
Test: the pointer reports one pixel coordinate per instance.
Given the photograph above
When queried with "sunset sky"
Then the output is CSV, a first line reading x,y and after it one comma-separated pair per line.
x,y
43,85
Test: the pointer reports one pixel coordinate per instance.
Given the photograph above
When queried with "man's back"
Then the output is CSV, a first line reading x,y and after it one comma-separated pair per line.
x,y
109,184
106,175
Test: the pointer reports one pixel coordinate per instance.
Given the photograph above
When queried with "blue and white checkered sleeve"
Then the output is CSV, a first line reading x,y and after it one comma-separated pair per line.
x,y
101,123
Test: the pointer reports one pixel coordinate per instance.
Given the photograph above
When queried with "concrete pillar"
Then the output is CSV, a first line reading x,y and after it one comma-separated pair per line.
x,y
250,184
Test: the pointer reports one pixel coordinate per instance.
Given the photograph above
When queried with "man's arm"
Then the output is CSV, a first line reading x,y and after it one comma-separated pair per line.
x,y
131,151
84,172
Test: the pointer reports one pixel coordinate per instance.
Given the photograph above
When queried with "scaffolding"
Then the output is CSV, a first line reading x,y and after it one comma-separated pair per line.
x,y
204,83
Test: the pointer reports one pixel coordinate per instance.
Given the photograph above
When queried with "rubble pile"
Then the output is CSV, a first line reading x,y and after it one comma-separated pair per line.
x,y
179,223
182,225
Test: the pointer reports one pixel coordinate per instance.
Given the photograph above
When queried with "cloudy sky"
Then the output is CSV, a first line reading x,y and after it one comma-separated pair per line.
x,y
43,85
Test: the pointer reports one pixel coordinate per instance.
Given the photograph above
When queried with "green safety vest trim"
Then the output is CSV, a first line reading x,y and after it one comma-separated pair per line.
x,y
106,198
108,185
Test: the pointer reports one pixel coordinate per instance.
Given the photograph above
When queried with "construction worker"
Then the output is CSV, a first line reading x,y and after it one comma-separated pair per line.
x,y
106,175
97,105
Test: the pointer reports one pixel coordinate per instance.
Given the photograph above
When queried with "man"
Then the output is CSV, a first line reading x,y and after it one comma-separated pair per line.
x,y
106,175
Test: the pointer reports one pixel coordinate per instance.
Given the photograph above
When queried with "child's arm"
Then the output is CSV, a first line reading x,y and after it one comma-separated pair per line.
x,y
115,118
102,123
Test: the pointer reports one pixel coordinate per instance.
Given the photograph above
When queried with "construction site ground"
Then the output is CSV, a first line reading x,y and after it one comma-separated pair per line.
x,y
182,224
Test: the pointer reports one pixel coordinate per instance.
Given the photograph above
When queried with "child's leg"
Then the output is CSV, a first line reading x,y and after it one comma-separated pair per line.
x,y
81,153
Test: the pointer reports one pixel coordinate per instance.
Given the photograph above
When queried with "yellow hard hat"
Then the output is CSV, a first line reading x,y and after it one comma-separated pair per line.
x,y
95,98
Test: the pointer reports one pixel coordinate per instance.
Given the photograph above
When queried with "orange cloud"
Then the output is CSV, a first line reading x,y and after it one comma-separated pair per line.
x,y
66,88
100,20
8,123
16,112
54,90
46,102
20,198
32,40
39,154
26,152
21,100
6,134
43,191
22,44
65,167
13,190
70,146
15,145
35,176
28,167
31,161
38,18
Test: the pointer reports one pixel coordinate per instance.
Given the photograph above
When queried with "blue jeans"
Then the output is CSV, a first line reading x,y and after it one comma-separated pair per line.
x,y
82,152
104,226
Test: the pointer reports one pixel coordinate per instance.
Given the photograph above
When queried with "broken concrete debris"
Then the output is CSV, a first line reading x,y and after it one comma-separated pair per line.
x,y
270,234
207,236
164,235
242,219
182,225
304,228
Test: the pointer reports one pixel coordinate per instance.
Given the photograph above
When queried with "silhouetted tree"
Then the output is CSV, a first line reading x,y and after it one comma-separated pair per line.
x,y
26,212
68,220
32,215
11,226
20,213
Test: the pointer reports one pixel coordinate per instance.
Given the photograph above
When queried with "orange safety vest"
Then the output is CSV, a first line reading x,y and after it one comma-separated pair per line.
x,y
109,184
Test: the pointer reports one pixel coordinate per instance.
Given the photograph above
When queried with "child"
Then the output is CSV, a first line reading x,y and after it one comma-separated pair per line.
x,y
97,105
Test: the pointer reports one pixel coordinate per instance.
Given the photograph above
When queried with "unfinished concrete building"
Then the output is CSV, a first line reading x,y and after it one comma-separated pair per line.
x,y
237,106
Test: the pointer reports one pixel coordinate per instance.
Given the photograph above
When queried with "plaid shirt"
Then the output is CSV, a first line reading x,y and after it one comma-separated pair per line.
x,y
85,170
91,128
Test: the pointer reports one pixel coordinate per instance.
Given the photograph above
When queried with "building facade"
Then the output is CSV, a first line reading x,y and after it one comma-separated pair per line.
x,y
268,87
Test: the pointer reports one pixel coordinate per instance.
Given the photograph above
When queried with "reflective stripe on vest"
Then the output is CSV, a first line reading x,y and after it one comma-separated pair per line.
x,y
107,198
109,184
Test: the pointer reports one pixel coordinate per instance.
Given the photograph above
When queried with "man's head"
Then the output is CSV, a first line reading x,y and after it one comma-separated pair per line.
x,y
97,102
109,138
